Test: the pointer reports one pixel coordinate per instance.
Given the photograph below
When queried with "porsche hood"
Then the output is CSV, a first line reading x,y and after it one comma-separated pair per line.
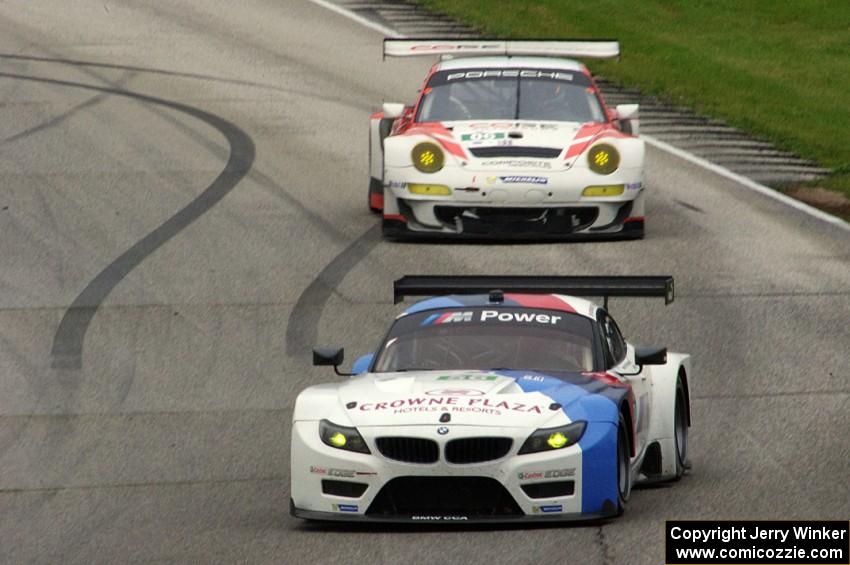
x,y
511,144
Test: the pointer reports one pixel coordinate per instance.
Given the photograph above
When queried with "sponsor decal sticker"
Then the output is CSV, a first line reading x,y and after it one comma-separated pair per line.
x,y
519,179
345,473
467,377
482,136
518,163
451,404
396,184
513,125
345,507
633,186
455,392
447,318
510,73
452,46
525,317
546,508
440,518
537,378
551,474
491,316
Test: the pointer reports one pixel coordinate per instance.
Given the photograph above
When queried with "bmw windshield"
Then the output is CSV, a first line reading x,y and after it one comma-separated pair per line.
x,y
488,338
516,94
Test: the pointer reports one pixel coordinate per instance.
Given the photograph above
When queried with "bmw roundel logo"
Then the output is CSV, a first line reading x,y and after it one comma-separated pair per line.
x,y
442,430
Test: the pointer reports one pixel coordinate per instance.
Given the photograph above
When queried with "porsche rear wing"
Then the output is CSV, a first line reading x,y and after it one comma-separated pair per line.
x,y
578,48
633,286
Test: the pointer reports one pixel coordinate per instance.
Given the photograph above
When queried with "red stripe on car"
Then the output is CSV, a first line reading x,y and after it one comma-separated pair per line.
x,y
439,133
548,302
587,130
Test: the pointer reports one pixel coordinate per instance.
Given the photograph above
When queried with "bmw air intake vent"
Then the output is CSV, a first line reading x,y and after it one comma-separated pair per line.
x,y
476,497
477,449
409,449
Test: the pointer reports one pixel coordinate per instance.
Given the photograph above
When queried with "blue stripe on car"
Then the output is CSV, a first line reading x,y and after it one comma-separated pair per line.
x,y
429,319
599,442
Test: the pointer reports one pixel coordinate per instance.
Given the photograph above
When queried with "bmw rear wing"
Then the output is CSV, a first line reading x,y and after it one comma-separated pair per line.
x,y
631,286
578,48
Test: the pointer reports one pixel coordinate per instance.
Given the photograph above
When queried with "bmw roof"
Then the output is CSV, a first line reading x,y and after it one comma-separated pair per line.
x,y
558,302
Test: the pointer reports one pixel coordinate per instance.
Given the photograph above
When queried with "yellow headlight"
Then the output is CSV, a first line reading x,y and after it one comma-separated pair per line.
x,y
557,440
337,439
429,189
607,190
603,159
427,157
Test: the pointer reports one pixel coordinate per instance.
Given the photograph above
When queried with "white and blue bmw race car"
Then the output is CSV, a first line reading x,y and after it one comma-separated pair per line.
x,y
507,139
500,399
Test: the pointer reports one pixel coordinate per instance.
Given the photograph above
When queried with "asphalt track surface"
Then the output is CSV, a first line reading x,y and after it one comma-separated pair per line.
x,y
182,216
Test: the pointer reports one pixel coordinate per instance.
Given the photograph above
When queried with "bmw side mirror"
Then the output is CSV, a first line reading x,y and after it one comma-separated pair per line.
x,y
328,356
650,356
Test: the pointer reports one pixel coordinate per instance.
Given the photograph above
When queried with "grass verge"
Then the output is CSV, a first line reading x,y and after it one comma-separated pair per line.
x,y
777,68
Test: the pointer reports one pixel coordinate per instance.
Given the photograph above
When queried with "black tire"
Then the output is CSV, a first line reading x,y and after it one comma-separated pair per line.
x,y
624,481
680,429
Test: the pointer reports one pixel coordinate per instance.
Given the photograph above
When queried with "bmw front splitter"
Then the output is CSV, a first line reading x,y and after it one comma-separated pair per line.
x,y
609,511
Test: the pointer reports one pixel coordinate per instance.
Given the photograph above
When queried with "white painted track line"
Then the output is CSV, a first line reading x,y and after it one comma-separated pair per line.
x,y
748,183
359,19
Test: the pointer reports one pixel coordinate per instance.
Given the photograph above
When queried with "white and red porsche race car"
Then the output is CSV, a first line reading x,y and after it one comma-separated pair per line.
x,y
517,404
507,139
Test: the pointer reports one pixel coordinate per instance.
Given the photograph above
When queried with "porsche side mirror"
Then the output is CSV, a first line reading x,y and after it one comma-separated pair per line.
x,y
393,110
628,115
650,355
627,111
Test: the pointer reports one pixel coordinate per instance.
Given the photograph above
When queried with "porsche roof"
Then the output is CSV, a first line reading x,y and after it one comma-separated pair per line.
x,y
502,62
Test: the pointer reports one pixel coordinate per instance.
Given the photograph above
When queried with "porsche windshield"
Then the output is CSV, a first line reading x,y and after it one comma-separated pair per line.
x,y
482,338
517,94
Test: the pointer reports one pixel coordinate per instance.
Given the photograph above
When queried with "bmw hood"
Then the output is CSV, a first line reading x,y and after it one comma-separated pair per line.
x,y
479,398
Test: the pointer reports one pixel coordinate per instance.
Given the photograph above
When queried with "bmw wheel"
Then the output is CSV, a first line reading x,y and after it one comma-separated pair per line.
x,y
624,480
680,424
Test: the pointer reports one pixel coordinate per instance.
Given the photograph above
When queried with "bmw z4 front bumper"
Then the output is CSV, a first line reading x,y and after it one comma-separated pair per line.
x,y
573,483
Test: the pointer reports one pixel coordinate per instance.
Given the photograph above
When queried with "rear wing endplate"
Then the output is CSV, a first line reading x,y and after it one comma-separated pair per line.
x,y
578,48
632,286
